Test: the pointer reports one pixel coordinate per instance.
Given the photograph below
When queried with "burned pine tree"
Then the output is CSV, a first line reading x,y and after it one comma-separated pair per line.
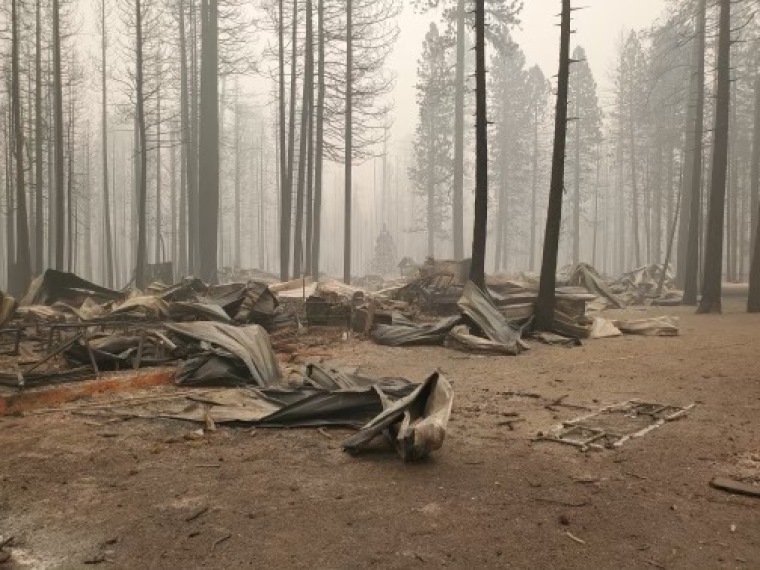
x,y
545,302
480,230
208,161
58,237
108,257
713,274
22,268
142,150
753,302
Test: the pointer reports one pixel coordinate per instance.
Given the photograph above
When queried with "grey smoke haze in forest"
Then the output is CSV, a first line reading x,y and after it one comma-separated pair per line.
x,y
207,134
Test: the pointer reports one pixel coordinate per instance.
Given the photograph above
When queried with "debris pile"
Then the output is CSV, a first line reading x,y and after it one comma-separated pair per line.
x,y
642,287
217,336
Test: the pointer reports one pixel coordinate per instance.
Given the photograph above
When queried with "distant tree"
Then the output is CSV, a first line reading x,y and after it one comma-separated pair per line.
x,y
668,78
585,136
540,90
500,15
632,106
693,196
431,171
512,109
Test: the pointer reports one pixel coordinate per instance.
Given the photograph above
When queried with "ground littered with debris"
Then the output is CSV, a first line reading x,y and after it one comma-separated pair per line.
x,y
77,491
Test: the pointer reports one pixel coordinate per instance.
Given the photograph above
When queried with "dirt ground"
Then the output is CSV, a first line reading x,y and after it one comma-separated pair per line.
x,y
143,494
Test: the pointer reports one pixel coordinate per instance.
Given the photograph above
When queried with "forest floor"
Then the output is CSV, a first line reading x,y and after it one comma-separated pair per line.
x,y
140,494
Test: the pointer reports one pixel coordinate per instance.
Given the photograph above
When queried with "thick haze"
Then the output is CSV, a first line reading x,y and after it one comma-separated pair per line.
x,y
598,29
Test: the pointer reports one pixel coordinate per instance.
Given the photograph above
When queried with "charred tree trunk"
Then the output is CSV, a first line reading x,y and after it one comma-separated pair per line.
x,y
480,232
287,197
284,222
23,269
308,80
185,248
755,160
713,275
309,246
39,134
546,294
457,214
104,148
753,304
348,174
60,236
157,255
319,151
209,143
193,158
142,182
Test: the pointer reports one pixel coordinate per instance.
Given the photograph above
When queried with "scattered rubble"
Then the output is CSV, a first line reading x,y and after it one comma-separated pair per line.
x,y
612,426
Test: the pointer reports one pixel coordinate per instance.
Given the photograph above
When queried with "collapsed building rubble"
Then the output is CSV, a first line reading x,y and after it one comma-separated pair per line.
x,y
227,336
217,336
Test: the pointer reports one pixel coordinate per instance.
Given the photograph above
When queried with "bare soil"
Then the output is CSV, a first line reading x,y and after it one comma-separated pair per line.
x,y
149,494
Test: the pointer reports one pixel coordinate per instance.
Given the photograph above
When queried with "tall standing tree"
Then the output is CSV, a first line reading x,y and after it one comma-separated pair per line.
x,y
546,294
39,131
22,268
320,141
104,147
713,274
209,142
186,246
142,149
304,142
284,181
753,303
59,236
480,231
349,131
